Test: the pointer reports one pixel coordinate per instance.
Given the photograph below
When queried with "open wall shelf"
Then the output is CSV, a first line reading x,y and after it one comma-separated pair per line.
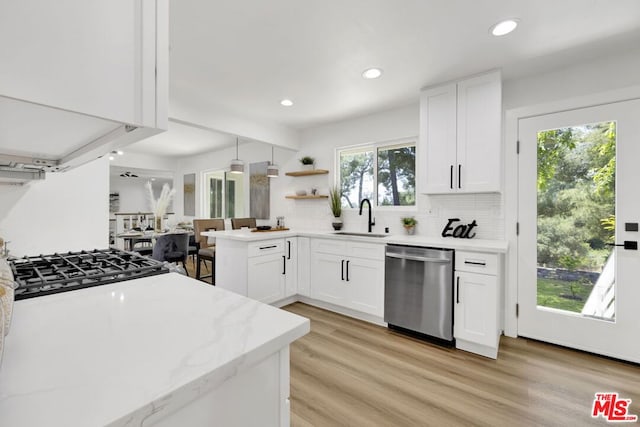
x,y
309,172
308,197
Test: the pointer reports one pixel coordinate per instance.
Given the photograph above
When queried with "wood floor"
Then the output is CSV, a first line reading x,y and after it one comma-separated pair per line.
x,y
351,373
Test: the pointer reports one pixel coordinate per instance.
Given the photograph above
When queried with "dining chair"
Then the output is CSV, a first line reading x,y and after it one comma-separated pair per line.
x,y
237,223
206,251
172,247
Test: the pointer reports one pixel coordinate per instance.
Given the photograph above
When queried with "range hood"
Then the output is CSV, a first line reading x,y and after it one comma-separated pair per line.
x,y
36,139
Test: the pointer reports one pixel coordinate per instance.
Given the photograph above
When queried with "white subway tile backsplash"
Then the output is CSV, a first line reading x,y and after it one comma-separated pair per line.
x,y
486,209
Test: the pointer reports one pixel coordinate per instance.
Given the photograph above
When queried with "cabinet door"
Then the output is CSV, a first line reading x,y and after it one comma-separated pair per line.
x,y
438,139
476,309
304,266
291,261
327,278
266,278
364,281
88,56
478,134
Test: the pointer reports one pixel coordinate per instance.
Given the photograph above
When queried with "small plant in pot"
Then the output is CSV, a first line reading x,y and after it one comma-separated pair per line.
x,y
335,203
307,162
409,224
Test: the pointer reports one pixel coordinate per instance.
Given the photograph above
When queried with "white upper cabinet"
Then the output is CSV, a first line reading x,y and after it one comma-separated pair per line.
x,y
460,138
96,69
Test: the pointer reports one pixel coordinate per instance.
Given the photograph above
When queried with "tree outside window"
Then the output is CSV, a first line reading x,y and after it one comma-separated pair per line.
x,y
384,173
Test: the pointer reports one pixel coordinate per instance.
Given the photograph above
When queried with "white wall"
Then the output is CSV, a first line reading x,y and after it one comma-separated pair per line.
x,y
146,161
133,193
431,212
66,211
593,76
249,152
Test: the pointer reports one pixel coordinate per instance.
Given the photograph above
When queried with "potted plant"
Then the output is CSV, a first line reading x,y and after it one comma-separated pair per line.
x,y
307,162
409,224
335,203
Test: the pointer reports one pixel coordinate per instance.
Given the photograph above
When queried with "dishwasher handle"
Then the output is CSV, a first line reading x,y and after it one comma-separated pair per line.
x,y
419,258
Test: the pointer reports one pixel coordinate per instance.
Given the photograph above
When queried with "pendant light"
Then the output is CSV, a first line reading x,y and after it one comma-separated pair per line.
x,y
237,165
272,170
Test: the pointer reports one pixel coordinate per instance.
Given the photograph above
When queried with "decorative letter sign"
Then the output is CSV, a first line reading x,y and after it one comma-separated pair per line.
x,y
461,231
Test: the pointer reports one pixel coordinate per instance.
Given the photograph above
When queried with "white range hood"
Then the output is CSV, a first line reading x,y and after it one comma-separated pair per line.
x,y
77,85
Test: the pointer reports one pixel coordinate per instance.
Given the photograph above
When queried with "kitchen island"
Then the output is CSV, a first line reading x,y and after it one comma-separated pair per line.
x,y
162,350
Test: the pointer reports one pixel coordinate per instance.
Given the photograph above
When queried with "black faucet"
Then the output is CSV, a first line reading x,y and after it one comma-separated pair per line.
x,y
370,223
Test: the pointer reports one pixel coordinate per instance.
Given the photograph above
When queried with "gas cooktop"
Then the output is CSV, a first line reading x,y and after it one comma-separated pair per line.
x,y
61,272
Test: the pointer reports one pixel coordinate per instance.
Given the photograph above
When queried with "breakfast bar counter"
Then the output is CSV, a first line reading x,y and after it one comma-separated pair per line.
x,y
160,350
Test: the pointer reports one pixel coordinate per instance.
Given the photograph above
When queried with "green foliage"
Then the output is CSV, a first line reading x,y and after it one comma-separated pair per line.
x,y
335,201
552,293
576,195
397,176
409,221
306,160
355,169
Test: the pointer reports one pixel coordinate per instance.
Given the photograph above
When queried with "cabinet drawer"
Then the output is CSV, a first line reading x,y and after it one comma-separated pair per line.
x,y
266,247
328,246
366,250
477,262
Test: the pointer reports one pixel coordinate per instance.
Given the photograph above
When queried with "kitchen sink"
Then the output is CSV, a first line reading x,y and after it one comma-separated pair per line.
x,y
348,233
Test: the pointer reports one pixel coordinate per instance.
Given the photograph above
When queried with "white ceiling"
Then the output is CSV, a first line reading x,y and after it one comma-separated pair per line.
x,y
244,56
183,140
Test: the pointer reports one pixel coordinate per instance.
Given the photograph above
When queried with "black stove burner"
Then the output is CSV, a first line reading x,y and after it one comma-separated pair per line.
x,y
50,274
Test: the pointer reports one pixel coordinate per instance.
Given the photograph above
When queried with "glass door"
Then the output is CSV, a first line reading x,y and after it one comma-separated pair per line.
x,y
577,197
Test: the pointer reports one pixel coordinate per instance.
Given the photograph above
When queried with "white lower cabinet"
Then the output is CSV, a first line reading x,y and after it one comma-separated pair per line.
x,y
340,277
266,278
291,266
272,269
476,296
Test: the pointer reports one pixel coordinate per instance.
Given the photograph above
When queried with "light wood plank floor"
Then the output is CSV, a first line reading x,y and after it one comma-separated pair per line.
x,y
351,373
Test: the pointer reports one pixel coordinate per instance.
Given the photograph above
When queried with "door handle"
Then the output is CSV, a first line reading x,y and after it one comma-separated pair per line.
x,y
459,176
630,245
451,177
289,249
284,265
458,290
342,274
347,271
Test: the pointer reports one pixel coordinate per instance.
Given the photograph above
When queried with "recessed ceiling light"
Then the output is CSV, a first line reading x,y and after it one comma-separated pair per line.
x,y
111,157
286,103
504,27
120,152
372,73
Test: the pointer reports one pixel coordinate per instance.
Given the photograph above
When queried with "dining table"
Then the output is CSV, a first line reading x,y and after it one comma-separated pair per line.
x,y
132,237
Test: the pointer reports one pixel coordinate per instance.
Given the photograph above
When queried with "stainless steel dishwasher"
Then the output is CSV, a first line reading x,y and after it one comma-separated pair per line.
x,y
418,291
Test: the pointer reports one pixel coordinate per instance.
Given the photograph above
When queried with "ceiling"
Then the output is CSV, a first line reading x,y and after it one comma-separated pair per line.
x,y
244,56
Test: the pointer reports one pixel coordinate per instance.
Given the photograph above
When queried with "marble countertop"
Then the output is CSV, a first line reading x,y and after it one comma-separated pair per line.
x,y
484,245
114,354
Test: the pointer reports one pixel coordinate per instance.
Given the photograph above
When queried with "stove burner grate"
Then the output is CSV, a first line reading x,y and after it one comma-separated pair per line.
x,y
50,274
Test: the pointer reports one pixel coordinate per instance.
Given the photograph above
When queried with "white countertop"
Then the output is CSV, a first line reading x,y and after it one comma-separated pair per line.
x,y
484,245
114,354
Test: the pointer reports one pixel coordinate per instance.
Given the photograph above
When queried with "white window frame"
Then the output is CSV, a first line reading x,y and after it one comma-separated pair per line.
x,y
374,146
204,197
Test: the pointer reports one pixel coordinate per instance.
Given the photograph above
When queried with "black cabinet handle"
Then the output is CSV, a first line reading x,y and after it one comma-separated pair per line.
x,y
631,245
459,176
475,263
268,247
284,264
458,290
451,177
347,271
342,273
289,249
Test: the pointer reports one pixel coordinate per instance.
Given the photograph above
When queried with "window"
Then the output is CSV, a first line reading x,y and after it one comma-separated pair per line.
x,y
223,195
383,172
